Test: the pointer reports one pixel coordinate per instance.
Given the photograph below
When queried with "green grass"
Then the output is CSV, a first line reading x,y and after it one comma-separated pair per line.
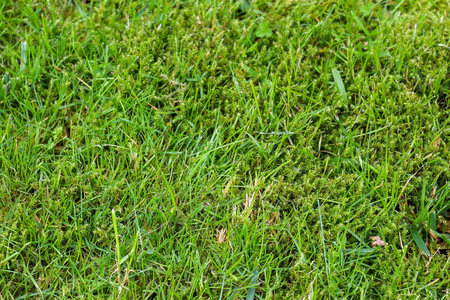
x,y
224,150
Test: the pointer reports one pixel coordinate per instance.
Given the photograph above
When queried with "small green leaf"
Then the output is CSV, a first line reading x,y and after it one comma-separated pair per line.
x,y
50,144
419,241
23,55
383,53
338,79
432,221
264,30
367,9
245,5
124,259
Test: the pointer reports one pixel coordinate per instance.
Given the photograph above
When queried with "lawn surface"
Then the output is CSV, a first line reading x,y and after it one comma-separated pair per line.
x,y
211,149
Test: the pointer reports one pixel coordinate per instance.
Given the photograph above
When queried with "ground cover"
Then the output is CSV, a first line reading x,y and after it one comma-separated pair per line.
x,y
224,149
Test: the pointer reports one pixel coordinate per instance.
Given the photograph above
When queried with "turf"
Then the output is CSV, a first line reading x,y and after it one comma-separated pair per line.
x,y
224,150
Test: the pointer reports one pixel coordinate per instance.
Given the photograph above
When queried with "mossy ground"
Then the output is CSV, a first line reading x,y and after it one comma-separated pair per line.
x,y
236,163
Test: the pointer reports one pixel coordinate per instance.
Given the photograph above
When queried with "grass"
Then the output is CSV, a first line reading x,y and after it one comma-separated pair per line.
x,y
224,149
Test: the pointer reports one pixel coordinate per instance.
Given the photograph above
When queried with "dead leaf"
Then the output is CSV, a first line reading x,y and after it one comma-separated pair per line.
x,y
227,187
221,235
274,217
433,192
435,237
435,145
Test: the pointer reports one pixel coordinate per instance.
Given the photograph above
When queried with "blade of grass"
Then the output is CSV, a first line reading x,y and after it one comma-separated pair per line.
x,y
116,234
419,241
340,84
252,290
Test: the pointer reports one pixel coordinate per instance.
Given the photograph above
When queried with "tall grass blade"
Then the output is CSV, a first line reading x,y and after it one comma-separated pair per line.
x,y
252,290
338,79
419,241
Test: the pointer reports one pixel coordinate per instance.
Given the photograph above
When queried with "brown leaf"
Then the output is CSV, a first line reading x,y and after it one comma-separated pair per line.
x,y
227,187
274,217
221,235
435,145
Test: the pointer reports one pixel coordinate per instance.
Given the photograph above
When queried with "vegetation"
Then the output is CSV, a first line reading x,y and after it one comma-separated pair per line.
x,y
209,149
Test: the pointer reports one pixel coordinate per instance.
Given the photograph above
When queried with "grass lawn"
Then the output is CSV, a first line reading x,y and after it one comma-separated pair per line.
x,y
206,149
